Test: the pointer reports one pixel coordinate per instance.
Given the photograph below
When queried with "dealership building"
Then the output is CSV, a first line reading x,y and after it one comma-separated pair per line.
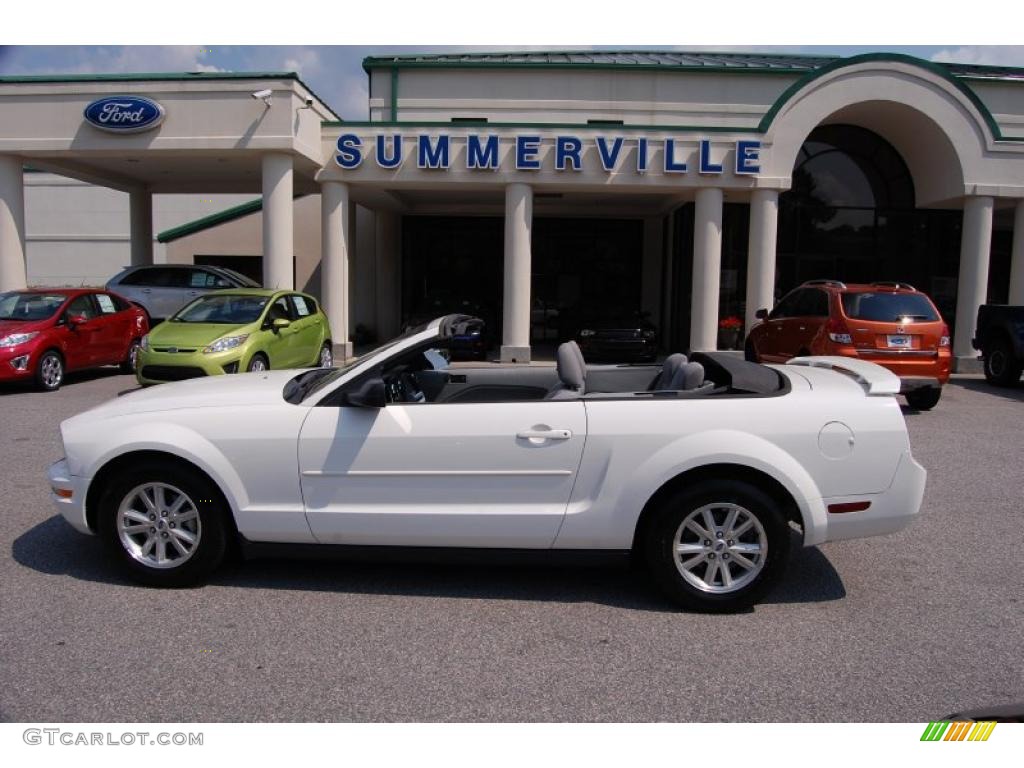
x,y
535,189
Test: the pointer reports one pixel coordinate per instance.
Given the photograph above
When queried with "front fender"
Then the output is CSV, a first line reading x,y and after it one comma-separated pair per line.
x,y
164,437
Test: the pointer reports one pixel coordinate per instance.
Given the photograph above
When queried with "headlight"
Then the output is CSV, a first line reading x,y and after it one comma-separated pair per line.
x,y
586,332
145,342
14,339
223,345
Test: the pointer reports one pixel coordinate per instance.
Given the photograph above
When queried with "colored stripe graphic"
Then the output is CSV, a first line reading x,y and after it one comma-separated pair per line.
x,y
958,731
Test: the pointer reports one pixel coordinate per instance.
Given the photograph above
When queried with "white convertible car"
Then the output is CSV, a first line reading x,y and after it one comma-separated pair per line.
x,y
700,468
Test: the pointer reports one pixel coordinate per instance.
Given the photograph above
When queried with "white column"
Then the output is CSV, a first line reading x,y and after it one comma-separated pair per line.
x,y
1017,258
764,222
12,224
388,274
278,235
336,228
140,204
707,269
515,342
972,286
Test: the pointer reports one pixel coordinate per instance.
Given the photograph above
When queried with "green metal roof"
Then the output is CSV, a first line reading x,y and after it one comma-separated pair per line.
x,y
676,60
221,217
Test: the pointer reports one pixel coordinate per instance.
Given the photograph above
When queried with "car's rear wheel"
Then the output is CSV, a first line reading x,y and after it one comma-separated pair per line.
x,y
1000,367
132,358
164,523
717,547
258,363
50,371
326,359
924,399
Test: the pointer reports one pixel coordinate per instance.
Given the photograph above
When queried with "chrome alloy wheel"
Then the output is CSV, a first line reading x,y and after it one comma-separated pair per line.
x,y
326,357
158,525
257,365
52,371
720,548
133,356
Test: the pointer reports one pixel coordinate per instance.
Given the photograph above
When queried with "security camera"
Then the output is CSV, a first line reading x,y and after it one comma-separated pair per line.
x,y
309,102
264,94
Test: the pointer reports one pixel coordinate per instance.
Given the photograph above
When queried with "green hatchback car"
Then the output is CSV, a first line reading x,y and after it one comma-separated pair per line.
x,y
240,329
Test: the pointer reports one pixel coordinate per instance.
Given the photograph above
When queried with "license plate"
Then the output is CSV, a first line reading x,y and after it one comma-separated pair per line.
x,y
902,342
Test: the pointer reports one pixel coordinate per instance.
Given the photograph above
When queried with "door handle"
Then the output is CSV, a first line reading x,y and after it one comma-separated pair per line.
x,y
544,434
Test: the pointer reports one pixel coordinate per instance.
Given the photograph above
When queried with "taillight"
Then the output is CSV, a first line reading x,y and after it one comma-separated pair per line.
x,y
838,332
944,339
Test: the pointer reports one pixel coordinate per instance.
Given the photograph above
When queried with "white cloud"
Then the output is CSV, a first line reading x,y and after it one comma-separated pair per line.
x,y
305,61
144,58
998,55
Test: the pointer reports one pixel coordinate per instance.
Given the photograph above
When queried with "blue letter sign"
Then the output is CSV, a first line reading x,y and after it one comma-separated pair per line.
x,y
349,155
396,156
482,156
748,157
432,157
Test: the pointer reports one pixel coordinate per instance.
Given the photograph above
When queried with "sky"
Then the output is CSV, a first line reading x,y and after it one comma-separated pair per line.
x,y
335,72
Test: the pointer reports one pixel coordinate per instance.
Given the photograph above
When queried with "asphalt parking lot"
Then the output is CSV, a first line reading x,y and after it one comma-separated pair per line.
x,y
909,627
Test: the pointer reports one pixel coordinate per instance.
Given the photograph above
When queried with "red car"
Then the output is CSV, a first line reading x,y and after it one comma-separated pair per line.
x,y
44,333
887,323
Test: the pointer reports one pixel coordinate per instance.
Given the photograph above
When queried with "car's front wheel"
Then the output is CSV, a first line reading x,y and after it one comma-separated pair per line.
x,y
164,523
50,371
258,363
718,546
131,359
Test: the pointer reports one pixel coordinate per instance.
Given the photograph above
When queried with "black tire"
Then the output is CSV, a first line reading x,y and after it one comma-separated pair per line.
x,y
749,353
923,399
205,498
50,371
128,364
253,365
659,546
319,362
1001,368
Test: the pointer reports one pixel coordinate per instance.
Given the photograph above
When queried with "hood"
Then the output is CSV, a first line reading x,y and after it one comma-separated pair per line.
x,y
197,335
240,389
8,327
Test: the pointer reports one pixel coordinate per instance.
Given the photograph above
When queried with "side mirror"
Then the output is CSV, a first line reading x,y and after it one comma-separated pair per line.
x,y
369,395
761,314
280,323
76,320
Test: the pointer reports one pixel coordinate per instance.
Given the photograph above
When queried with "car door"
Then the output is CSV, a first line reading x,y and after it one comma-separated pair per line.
x,y
441,474
82,348
308,333
773,344
810,312
281,343
111,330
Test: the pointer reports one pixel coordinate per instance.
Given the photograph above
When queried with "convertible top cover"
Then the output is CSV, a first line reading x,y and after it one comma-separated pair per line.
x,y
739,375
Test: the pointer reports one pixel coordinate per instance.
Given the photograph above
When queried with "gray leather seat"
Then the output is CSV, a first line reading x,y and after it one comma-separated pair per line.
x,y
572,373
669,371
690,376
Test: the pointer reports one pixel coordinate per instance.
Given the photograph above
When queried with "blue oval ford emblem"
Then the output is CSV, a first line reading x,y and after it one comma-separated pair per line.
x,y
124,114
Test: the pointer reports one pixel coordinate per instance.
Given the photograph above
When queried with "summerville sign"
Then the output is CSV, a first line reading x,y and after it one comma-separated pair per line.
x,y
566,153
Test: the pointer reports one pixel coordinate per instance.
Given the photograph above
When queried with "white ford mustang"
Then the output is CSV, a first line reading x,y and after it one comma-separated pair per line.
x,y
698,467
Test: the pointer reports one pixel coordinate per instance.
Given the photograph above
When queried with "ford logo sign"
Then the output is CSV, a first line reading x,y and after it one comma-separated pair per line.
x,y
124,114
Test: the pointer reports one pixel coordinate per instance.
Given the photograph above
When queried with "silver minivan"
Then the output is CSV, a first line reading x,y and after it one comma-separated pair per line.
x,y
163,289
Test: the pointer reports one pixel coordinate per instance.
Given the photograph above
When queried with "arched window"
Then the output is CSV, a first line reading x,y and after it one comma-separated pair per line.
x,y
844,166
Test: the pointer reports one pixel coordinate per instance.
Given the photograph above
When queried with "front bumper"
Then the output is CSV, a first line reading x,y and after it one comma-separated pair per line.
x,y
17,363
175,366
890,511
68,494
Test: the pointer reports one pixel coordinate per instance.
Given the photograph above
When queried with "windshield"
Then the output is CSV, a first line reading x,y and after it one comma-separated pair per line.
x,y
889,307
29,306
224,309
315,385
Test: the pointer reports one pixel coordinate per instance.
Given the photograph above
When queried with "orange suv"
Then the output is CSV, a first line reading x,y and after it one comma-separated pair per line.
x,y
891,324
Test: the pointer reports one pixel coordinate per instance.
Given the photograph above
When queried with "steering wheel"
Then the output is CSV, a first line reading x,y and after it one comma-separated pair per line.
x,y
411,388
